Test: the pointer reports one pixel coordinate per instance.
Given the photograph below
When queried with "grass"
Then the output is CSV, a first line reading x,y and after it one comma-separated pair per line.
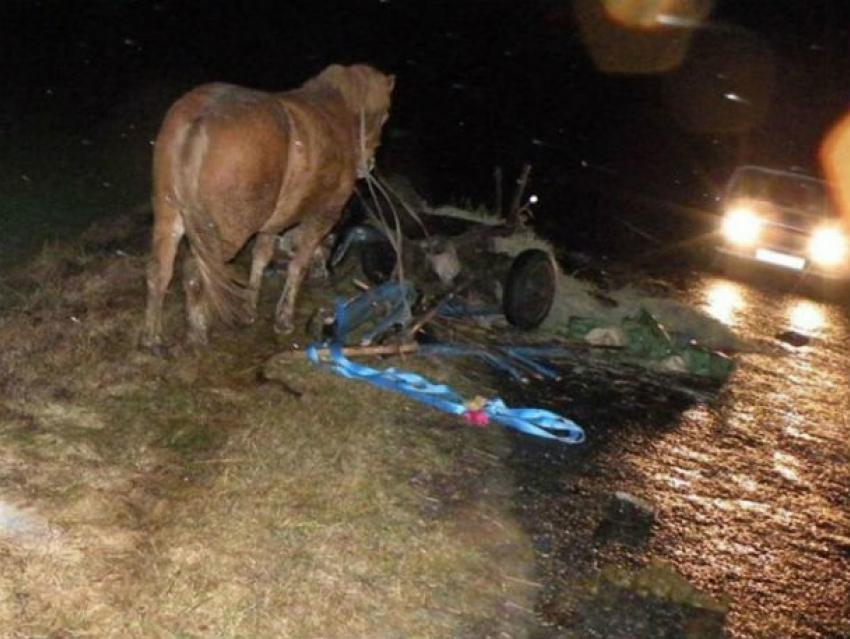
x,y
188,496
184,496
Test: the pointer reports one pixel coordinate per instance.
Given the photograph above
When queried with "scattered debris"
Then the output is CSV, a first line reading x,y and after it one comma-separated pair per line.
x,y
478,411
794,338
445,263
491,290
605,336
644,338
637,502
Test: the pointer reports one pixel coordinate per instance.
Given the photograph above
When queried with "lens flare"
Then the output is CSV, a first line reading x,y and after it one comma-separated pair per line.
x,y
828,246
724,302
741,226
806,317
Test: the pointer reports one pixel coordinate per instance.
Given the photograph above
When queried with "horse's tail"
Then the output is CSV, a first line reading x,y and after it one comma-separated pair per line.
x,y
225,291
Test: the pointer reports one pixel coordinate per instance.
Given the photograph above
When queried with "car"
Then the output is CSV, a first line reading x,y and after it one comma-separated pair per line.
x,y
784,219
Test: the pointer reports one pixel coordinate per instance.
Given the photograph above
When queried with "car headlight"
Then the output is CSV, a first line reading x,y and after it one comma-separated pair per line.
x,y
741,226
828,246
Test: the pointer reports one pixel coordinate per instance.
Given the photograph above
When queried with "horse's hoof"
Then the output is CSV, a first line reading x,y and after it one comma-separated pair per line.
x,y
284,327
197,340
151,344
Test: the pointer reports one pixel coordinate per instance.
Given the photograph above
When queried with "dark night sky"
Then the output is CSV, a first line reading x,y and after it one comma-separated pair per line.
x,y
480,83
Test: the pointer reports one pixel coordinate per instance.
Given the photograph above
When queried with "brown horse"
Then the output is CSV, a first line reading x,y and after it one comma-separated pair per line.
x,y
231,163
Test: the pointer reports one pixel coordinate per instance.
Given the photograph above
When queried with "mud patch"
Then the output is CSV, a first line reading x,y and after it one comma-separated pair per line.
x,y
653,602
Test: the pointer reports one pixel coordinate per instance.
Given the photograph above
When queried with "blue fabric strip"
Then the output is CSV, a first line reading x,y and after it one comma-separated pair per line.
x,y
532,421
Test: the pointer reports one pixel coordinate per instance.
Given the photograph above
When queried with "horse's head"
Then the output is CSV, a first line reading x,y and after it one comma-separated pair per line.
x,y
366,92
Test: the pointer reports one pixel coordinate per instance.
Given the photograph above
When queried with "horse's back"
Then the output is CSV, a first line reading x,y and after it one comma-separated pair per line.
x,y
221,154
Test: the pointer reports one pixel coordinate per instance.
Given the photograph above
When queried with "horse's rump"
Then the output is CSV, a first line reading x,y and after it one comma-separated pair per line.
x,y
226,165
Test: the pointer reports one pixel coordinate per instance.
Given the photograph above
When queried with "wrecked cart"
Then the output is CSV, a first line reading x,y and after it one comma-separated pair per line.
x,y
471,284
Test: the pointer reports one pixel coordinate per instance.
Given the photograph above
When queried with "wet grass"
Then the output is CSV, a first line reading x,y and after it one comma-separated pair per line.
x,y
186,496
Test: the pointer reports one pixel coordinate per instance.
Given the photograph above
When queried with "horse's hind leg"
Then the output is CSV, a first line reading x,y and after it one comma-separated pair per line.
x,y
198,310
167,232
312,232
260,258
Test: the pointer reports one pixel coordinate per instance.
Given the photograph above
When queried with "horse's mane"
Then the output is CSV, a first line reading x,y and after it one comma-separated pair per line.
x,y
357,84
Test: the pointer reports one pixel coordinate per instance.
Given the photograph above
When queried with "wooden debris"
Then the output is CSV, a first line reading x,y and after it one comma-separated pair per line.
x,y
356,351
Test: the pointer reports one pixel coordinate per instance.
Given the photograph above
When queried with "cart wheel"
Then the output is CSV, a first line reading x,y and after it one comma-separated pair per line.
x,y
530,289
378,260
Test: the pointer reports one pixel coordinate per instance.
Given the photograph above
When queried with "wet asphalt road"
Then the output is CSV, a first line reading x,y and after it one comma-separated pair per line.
x,y
750,484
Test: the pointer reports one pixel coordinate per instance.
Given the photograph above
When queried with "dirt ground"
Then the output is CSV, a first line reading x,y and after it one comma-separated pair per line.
x,y
208,494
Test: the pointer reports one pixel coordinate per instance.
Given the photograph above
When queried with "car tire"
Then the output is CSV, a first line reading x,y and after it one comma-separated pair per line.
x,y
530,289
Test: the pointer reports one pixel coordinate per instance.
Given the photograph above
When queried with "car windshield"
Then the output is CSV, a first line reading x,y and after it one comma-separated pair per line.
x,y
782,189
